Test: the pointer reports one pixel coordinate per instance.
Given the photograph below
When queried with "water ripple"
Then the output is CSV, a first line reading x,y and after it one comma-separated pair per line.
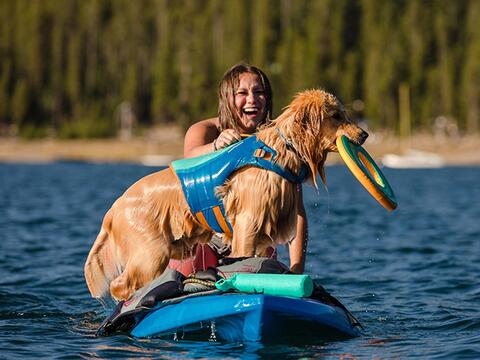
x,y
411,276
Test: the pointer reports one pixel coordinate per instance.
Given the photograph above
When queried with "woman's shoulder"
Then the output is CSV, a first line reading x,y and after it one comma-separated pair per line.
x,y
198,135
209,124
204,128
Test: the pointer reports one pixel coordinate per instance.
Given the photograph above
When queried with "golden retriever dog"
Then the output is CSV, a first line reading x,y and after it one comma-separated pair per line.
x,y
151,222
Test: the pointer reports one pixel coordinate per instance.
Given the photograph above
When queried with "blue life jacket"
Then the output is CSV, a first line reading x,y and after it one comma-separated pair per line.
x,y
200,176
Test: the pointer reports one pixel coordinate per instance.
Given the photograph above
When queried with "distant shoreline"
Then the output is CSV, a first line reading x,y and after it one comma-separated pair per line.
x,y
165,144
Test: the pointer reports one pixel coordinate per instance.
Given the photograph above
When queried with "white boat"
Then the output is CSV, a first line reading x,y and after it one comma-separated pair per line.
x,y
413,159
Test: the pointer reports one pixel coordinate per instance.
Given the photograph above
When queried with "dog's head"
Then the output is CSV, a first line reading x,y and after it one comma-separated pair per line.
x,y
314,120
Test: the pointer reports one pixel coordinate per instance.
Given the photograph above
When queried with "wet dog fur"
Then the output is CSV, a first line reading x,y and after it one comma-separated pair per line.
x,y
151,222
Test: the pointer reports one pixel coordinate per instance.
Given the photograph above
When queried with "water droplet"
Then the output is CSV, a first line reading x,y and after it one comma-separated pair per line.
x,y
213,335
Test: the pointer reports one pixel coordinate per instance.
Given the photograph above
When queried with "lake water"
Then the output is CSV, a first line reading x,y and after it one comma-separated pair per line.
x,y
411,276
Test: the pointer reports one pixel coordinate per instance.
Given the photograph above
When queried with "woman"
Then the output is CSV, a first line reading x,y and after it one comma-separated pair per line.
x,y
245,103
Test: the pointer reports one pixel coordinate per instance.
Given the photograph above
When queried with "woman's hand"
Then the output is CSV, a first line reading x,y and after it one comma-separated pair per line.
x,y
226,137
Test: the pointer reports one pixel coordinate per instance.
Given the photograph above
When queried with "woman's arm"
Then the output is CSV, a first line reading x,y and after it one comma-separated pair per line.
x,y
200,137
203,137
298,246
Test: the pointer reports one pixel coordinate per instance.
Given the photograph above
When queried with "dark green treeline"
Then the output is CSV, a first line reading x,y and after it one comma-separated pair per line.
x,y
67,65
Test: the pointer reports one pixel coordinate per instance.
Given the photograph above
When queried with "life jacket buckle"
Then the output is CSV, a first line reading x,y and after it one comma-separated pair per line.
x,y
261,153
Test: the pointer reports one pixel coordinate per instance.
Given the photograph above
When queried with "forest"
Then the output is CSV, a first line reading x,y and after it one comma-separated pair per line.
x,y
69,67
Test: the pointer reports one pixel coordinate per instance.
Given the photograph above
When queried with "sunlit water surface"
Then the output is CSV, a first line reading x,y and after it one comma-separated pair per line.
x,y
411,276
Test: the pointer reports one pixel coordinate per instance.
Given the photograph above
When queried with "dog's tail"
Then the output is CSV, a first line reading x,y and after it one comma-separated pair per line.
x,y
102,265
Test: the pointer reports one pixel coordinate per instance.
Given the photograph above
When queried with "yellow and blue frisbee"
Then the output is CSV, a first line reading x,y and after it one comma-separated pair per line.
x,y
367,172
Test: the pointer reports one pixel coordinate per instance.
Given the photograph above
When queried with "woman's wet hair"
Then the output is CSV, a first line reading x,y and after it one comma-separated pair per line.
x,y
227,114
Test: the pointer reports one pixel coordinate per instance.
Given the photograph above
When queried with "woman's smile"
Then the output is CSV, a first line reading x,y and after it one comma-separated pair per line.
x,y
250,101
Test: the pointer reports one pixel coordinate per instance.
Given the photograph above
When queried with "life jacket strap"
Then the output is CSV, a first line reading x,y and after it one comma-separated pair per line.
x,y
266,158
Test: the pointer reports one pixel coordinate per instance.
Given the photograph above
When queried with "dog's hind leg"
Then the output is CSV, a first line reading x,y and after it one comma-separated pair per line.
x,y
101,265
147,264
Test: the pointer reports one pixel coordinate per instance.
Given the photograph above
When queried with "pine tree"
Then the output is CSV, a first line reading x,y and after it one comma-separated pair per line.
x,y
470,80
65,63
163,77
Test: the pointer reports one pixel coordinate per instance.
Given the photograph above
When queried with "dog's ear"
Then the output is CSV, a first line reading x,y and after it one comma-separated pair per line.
x,y
321,170
308,117
318,167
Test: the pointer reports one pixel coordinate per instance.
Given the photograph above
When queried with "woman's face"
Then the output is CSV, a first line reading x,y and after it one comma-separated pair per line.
x,y
250,102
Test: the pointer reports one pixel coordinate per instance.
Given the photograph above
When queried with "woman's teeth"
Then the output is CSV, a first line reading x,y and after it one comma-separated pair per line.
x,y
250,111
